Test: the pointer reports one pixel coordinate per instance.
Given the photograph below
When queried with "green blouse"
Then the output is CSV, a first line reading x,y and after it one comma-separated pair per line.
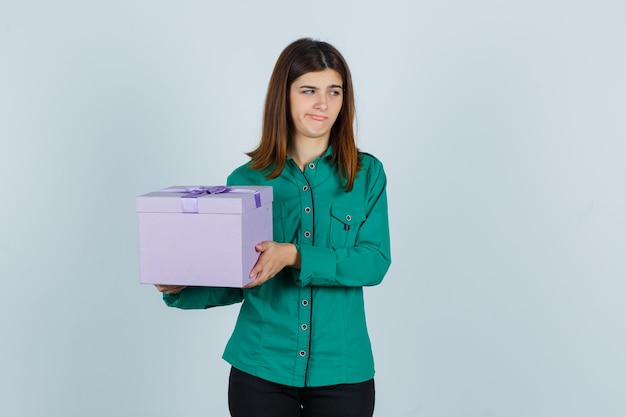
x,y
307,327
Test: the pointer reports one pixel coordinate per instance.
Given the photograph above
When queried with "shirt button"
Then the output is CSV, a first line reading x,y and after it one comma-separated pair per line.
x,y
305,188
305,302
307,209
302,353
348,217
304,327
307,234
311,165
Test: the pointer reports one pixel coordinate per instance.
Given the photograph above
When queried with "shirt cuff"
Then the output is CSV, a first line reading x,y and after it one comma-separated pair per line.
x,y
201,297
315,263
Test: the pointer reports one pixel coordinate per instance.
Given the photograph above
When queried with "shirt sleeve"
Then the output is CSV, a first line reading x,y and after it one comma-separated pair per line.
x,y
203,297
363,264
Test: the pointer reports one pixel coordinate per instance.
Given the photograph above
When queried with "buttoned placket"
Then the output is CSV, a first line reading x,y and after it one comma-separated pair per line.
x,y
306,239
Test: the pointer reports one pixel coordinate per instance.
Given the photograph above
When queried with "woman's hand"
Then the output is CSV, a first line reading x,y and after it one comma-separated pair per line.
x,y
170,289
274,257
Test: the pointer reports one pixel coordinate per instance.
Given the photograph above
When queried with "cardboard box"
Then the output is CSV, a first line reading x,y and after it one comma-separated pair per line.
x,y
202,236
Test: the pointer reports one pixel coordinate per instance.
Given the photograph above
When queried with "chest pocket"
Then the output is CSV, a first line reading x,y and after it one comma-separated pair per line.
x,y
344,225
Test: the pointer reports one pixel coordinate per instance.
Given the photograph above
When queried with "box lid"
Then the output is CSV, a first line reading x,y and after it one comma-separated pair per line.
x,y
205,199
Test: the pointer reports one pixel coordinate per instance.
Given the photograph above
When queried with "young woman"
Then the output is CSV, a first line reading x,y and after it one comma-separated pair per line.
x,y
300,346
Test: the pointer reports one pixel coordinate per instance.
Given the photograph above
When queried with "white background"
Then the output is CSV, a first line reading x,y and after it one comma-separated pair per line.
x,y
502,128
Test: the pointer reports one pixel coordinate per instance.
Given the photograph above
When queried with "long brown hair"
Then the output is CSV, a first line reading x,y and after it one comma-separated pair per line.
x,y
300,57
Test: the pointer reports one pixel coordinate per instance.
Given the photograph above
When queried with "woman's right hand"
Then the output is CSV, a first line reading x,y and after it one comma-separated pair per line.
x,y
170,289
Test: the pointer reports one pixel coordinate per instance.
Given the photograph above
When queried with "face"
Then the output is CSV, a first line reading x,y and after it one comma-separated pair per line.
x,y
315,99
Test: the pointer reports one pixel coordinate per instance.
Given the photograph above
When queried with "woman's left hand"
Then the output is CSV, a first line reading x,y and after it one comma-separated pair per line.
x,y
273,258
170,289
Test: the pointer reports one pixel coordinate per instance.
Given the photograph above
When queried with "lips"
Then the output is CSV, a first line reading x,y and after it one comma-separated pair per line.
x,y
318,117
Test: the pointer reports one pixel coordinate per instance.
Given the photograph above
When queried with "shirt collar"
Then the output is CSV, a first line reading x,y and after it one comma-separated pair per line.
x,y
328,152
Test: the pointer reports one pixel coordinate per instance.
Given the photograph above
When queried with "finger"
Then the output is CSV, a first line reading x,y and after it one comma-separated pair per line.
x,y
259,278
255,271
170,289
178,288
258,266
254,283
265,245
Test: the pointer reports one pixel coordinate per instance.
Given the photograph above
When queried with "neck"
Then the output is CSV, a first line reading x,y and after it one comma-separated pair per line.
x,y
305,151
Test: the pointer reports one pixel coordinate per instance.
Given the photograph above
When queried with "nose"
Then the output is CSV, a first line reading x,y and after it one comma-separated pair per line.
x,y
321,103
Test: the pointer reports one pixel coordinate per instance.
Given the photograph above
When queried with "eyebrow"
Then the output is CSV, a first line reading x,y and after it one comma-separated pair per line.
x,y
315,88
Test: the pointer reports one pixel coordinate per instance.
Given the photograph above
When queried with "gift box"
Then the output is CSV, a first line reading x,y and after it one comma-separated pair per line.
x,y
202,236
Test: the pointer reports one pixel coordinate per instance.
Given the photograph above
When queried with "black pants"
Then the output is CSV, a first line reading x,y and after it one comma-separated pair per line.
x,y
249,396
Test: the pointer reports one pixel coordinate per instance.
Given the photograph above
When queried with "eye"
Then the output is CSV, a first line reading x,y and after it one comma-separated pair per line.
x,y
335,92
308,91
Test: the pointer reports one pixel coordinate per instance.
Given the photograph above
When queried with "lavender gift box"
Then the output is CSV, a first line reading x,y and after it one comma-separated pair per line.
x,y
202,236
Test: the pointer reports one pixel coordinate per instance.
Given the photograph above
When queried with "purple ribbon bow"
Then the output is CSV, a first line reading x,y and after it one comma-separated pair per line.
x,y
189,202
200,190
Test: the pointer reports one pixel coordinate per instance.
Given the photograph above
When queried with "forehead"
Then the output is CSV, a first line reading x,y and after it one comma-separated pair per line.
x,y
320,79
